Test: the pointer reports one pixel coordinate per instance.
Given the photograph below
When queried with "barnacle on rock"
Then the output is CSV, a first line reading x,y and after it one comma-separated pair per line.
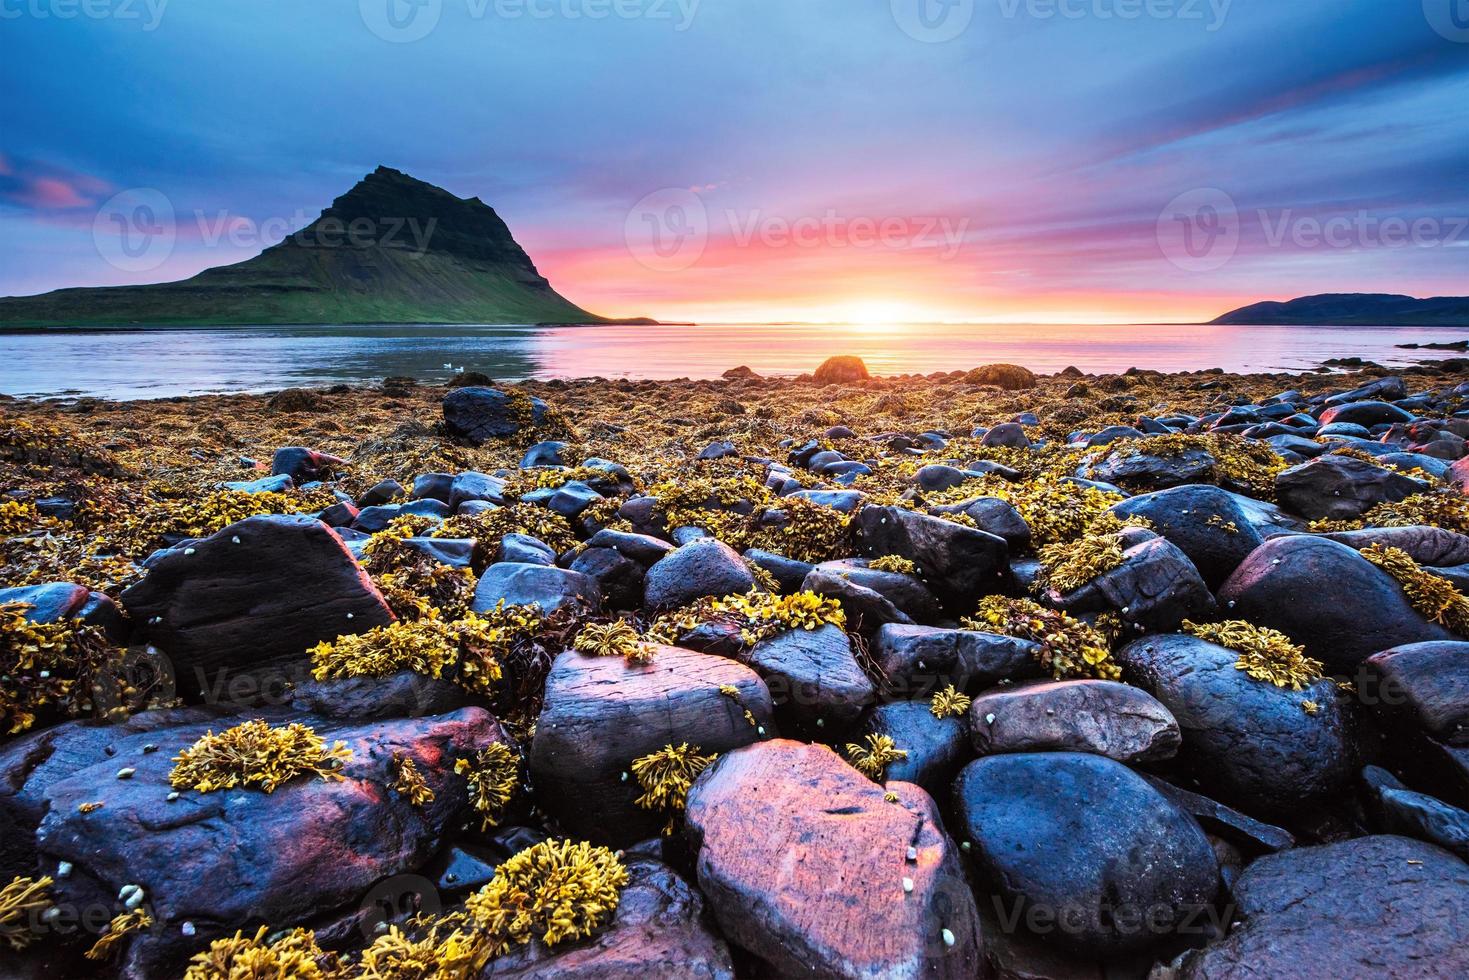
x,y
555,891
665,777
20,901
120,927
493,777
949,702
409,782
894,563
293,956
1265,654
255,754
1434,597
615,639
872,759
1068,647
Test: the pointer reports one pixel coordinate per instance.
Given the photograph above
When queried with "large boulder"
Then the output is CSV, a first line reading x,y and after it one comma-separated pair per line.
x,y
1324,595
841,370
915,661
225,859
478,415
1341,487
1255,746
1365,413
1204,522
1435,547
658,930
1083,851
1141,472
906,592
252,599
1011,377
1423,686
523,584
814,679
304,465
838,880
1102,717
1155,588
959,563
1377,906
602,713
706,567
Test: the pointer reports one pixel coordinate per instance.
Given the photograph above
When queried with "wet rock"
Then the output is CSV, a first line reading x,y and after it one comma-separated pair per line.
x,y
601,713
915,661
907,592
814,679
1156,588
641,548
937,747
789,573
1372,907
1143,472
545,454
707,567
1398,810
867,609
304,465
1010,435
960,563
1100,717
266,484
475,486
1084,852
406,694
433,486
1251,744
1324,595
1424,686
1389,389
773,893
657,931
524,550
478,415
1204,522
1253,836
620,580
1365,413
995,516
252,599
1341,487
841,370
56,602
524,584
1435,547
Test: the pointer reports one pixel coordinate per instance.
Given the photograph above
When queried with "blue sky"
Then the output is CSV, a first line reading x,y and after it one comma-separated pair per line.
x,y
1024,159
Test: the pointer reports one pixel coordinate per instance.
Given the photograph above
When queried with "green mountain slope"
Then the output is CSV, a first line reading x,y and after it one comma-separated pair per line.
x,y
391,250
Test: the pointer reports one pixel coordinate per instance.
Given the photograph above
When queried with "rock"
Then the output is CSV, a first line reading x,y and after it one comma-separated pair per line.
x,y
56,602
959,563
1010,377
841,370
266,484
937,747
1101,717
1082,851
252,599
545,454
916,661
406,694
1388,389
1398,810
1156,588
478,415
199,858
620,580
470,485
641,548
1341,487
845,501
814,679
936,477
867,609
1203,522
296,400
1114,433
741,373
1251,744
523,585
719,450
1365,413
1424,686
1142,472
995,516
304,465
525,550
906,592
1435,547
788,572
602,713
707,567
776,893
1372,907
1324,595
1254,836
1009,435
657,931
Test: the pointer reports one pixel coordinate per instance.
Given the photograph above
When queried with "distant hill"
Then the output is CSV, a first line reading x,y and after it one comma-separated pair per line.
x,y
1357,310
415,254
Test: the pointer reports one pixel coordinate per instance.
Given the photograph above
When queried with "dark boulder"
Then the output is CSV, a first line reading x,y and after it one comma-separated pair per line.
x,y
706,567
1341,487
1365,413
1155,588
523,585
304,465
1082,851
996,516
1435,547
1423,686
814,679
937,747
915,661
907,592
1398,810
478,415
1100,717
959,563
620,580
1204,522
56,602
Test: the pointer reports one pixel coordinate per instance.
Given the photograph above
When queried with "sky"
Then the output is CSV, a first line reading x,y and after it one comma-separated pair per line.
x,y
1035,161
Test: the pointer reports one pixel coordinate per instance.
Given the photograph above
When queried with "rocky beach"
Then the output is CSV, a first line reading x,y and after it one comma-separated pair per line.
x,y
977,674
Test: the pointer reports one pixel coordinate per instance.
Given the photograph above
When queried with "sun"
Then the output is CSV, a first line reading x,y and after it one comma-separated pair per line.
x,y
877,313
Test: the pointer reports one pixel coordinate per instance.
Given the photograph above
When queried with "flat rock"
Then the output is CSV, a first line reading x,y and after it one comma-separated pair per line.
x,y
1341,487
814,679
915,661
517,584
822,888
478,415
1101,717
1423,685
960,564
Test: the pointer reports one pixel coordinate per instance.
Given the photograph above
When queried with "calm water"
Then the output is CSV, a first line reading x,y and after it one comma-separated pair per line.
x,y
185,361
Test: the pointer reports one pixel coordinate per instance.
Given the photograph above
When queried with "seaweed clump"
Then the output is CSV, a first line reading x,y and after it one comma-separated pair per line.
x,y
293,956
872,759
255,754
757,615
949,703
1066,646
665,777
1265,654
54,670
493,777
1433,597
554,891
894,563
21,900
615,639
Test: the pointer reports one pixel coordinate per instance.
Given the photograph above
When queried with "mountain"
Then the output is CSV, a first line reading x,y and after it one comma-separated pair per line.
x,y
1356,310
393,249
